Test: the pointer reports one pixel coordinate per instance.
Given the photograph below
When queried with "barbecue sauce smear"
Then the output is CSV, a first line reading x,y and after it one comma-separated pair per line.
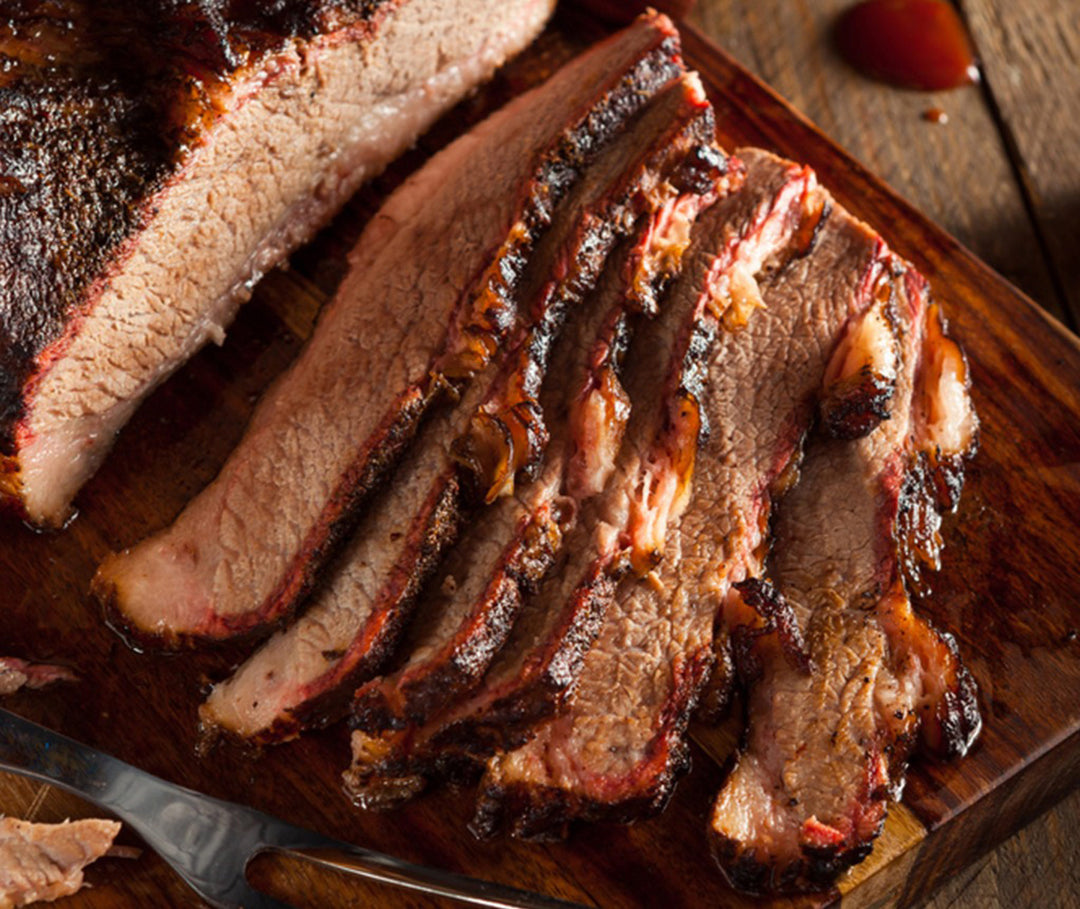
x,y
919,44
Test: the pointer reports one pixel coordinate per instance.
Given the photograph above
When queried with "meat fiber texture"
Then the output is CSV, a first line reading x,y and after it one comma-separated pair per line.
x,y
44,862
431,295
158,158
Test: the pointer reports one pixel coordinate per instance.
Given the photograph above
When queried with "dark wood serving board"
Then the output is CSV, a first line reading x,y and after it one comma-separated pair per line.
x,y
1008,590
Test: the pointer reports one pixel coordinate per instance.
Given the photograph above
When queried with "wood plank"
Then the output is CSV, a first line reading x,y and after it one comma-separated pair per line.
x,y
1030,58
1011,605
1037,867
958,174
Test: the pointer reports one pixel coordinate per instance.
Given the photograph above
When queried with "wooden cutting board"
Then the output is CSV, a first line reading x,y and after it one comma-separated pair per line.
x,y
1008,590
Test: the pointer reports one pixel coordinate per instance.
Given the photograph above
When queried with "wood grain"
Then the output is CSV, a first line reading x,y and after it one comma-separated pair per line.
x,y
1030,59
1007,590
958,173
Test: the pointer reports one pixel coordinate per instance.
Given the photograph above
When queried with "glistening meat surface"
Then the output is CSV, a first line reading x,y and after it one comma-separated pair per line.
x,y
158,158
431,294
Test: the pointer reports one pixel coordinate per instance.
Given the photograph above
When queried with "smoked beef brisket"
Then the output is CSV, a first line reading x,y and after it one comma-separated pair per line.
x,y
157,158
511,546
432,294
463,629
617,745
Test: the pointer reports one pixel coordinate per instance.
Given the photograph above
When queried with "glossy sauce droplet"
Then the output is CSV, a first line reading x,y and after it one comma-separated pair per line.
x,y
935,115
911,43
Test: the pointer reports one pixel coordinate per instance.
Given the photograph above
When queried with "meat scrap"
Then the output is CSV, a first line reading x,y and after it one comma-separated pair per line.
x,y
44,862
16,674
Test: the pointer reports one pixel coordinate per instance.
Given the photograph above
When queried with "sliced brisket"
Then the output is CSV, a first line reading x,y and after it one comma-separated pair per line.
x,y
158,158
304,676
510,548
299,677
531,676
432,293
835,710
776,307
501,560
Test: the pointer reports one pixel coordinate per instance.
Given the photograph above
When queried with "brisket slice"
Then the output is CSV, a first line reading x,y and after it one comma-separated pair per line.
x,y
512,546
431,294
46,861
303,676
618,747
839,701
158,158
300,677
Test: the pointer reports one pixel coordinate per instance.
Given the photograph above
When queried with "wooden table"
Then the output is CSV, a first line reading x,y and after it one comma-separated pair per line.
x,y
1003,176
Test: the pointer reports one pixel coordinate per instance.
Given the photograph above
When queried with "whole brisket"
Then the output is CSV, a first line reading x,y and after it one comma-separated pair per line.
x,y
157,158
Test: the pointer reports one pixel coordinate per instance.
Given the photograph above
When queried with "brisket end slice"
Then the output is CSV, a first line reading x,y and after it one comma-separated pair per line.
x,y
157,161
443,256
830,733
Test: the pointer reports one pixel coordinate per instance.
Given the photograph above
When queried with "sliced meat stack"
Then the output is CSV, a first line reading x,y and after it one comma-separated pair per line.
x,y
432,294
157,158
617,748
621,424
843,678
506,553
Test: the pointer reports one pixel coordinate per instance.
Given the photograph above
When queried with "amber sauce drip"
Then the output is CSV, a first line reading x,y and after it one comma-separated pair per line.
x,y
918,44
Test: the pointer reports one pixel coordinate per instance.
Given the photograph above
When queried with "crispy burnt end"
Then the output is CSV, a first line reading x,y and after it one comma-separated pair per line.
x,y
756,609
861,377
